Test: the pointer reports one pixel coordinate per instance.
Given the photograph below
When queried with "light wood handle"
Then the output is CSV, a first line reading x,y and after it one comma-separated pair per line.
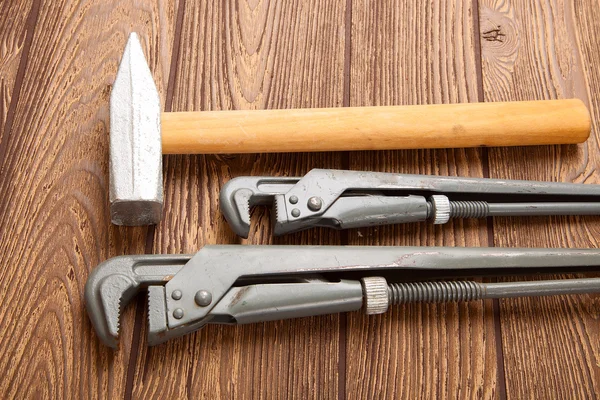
x,y
376,128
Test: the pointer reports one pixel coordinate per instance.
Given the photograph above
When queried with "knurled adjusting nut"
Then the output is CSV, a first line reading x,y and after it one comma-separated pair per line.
x,y
375,291
441,208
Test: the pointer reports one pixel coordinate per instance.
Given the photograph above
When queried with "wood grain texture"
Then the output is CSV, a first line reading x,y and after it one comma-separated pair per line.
x,y
418,54
13,32
54,219
246,55
57,63
533,50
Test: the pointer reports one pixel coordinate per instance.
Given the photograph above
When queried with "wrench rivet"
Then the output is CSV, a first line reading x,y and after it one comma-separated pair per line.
x,y
178,313
176,295
203,298
295,213
293,199
315,203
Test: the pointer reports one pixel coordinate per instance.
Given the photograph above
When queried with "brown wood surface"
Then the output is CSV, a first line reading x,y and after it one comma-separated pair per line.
x,y
407,54
555,333
57,63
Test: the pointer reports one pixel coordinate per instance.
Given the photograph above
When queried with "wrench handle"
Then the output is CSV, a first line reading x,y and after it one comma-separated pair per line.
x,y
376,128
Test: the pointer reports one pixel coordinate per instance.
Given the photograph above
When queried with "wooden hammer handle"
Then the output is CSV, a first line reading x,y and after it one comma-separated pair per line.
x,y
376,128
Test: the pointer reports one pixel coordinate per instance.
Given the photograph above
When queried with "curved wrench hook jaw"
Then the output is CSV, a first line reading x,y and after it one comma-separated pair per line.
x,y
113,283
240,194
235,205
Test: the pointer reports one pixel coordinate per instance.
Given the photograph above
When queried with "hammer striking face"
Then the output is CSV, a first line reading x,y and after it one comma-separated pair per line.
x,y
136,195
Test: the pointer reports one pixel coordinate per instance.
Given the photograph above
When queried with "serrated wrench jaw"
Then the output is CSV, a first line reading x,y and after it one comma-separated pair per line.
x,y
113,283
106,294
235,206
158,328
279,215
241,193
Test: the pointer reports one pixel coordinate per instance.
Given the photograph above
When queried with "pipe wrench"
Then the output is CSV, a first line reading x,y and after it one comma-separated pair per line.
x,y
232,284
351,199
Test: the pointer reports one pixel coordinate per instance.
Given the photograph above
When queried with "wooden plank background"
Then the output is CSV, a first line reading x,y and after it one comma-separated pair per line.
x,y
58,60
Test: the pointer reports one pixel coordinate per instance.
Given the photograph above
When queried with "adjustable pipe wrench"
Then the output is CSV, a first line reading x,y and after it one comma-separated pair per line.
x,y
244,284
351,199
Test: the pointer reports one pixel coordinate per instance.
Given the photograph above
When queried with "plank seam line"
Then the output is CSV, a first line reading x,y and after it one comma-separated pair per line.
x,y
174,57
485,164
136,339
345,161
478,56
31,24
135,344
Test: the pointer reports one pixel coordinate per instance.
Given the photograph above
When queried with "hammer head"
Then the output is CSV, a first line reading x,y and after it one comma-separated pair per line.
x,y
136,194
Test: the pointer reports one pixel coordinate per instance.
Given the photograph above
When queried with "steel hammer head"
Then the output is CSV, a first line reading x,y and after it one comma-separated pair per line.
x,y
136,194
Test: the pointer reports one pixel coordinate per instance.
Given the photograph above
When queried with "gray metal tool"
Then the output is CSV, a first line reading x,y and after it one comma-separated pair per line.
x,y
351,199
246,284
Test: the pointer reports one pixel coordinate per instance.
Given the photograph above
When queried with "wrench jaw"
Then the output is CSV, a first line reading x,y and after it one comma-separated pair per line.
x,y
113,283
279,216
282,225
240,194
235,206
106,294
237,201
158,329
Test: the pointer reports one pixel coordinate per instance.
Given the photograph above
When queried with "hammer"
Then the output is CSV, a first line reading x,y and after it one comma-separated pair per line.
x,y
140,133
